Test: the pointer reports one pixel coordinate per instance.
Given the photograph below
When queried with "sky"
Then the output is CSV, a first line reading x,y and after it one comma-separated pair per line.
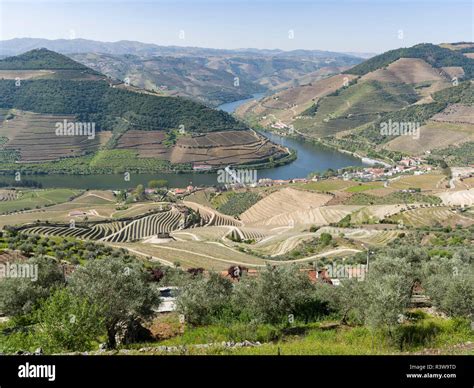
x,y
370,26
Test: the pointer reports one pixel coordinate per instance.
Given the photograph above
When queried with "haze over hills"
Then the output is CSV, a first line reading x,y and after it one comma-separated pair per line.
x,y
135,128
71,46
211,76
421,85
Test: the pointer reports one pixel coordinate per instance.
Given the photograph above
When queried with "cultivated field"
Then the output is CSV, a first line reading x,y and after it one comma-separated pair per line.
x,y
433,135
458,198
229,147
287,200
438,215
288,104
406,70
425,182
31,199
456,113
33,137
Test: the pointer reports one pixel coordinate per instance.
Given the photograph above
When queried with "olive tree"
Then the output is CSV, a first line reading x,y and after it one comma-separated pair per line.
x,y
19,296
120,288
204,299
278,292
388,297
67,323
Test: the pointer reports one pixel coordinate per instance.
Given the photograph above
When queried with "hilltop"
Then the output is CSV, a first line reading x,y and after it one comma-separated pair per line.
x,y
40,89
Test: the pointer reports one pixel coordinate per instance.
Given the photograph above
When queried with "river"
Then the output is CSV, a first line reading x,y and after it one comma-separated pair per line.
x,y
311,158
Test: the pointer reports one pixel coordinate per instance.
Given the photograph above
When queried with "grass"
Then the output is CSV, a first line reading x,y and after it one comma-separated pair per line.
x,y
424,182
364,187
30,199
320,339
324,185
394,198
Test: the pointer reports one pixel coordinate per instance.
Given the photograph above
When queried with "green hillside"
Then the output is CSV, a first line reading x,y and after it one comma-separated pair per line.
x,y
96,101
358,104
435,55
41,59
99,102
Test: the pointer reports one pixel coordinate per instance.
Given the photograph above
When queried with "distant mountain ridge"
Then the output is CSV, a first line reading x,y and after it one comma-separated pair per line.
x,y
72,46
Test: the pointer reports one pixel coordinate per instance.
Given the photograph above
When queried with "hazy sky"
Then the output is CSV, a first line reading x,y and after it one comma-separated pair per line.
x,y
348,25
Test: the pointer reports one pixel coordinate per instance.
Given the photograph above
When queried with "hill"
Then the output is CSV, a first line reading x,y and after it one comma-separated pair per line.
x,y
41,59
33,107
210,76
426,86
434,55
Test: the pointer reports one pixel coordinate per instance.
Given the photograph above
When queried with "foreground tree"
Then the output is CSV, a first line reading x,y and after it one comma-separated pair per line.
x,y
450,285
120,288
276,294
20,296
388,297
67,323
204,299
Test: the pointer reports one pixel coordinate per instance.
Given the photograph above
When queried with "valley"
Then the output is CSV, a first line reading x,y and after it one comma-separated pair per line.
x,y
345,239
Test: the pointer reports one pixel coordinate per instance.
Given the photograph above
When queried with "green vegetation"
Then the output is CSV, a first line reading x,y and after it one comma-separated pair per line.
x,y
102,162
433,54
32,199
99,301
460,94
96,101
356,105
394,198
461,155
236,203
41,59
281,307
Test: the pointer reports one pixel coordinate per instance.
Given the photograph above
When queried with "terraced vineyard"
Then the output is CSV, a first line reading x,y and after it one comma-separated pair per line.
x,y
211,217
439,215
164,222
316,216
247,234
376,213
459,198
281,202
116,231
8,195
372,236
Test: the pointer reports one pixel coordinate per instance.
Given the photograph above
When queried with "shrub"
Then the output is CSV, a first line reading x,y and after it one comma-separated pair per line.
x,y
203,300
67,323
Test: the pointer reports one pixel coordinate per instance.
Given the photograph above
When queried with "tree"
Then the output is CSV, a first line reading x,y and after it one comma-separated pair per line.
x,y
449,284
140,192
67,323
19,296
278,292
156,183
388,297
348,300
204,299
120,288
325,239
